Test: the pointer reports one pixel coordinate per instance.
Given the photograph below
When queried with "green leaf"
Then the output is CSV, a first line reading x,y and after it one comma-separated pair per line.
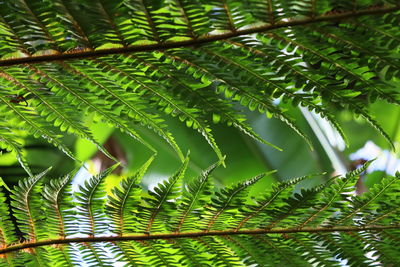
x,y
3,184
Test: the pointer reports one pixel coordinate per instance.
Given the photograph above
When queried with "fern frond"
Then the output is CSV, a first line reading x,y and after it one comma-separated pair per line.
x,y
365,203
192,254
197,94
122,73
232,87
242,247
320,54
158,94
134,62
274,86
278,193
280,251
127,252
317,54
132,103
381,58
120,206
315,255
51,108
58,203
339,189
389,240
156,205
9,142
223,204
64,87
90,205
221,255
197,226
194,195
60,255
33,124
27,207
158,253
94,254
7,230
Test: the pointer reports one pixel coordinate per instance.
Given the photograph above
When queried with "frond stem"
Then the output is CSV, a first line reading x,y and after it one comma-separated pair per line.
x,y
196,234
201,40
271,13
231,23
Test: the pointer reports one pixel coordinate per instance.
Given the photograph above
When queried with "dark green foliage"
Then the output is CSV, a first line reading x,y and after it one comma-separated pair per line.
x,y
196,225
137,61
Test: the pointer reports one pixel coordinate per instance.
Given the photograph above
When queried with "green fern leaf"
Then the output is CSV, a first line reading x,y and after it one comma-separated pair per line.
x,y
250,213
90,201
120,206
195,194
283,226
7,230
338,189
224,203
161,201
27,206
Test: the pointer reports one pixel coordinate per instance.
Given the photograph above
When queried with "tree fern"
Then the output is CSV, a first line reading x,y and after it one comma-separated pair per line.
x,y
164,227
135,62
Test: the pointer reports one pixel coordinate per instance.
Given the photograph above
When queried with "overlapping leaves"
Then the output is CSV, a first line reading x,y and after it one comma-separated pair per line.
x,y
136,62
195,224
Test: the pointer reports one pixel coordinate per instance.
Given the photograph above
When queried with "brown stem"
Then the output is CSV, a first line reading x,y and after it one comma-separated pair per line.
x,y
198,41
141,237
271,12
231,23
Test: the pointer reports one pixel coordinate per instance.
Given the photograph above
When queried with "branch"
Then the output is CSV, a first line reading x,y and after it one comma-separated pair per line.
x,y
142,237
201,40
